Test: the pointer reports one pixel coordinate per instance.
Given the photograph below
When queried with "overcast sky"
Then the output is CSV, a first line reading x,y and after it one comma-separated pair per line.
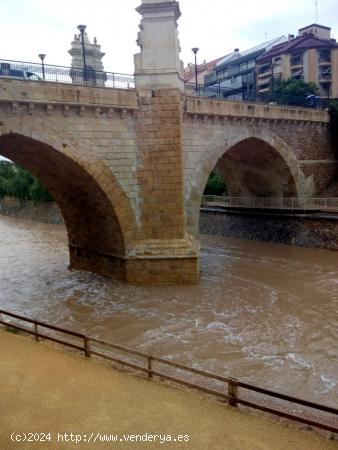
x,y
30,27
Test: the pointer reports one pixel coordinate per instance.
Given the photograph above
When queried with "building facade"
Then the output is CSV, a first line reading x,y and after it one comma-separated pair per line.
x,y
311,56
234,76
202,70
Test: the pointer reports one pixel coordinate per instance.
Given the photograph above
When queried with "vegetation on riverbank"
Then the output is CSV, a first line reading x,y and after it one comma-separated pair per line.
x,y
18,183
215,185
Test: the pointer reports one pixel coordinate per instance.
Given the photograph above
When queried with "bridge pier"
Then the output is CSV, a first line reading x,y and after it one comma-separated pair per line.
x,y
154,263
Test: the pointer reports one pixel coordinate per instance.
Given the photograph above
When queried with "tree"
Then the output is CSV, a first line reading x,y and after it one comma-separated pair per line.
x,y
291,92
2,189
18,186
215,185
39,193
19,183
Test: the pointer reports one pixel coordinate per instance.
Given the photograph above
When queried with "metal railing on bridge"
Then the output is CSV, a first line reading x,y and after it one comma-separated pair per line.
x,y
62,74
228,389
239,94
284,204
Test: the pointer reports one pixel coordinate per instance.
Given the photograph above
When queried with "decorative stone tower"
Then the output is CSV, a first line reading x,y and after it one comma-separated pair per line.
x,y
165,252
158,64
93,55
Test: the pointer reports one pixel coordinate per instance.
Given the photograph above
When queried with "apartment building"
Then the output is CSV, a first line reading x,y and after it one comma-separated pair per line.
x,y
234,75
310,56
202,70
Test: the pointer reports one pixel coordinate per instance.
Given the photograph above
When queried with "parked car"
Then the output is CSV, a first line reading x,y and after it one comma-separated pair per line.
x,y
6,70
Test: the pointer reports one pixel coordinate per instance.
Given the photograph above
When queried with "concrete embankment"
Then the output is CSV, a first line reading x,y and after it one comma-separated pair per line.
x,y
40,212
45,390
312,230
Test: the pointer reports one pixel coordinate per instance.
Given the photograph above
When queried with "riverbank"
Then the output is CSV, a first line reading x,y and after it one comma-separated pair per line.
x,y
308,232
47,390
40,212
311,232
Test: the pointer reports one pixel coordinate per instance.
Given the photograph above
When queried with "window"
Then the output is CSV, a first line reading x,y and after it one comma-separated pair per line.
x,y
297,59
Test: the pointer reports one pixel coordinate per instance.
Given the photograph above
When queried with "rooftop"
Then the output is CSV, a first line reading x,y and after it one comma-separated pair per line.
x,y
234,56
303,42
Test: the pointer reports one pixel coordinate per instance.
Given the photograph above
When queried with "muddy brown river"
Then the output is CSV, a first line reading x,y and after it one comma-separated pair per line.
x,y
264,313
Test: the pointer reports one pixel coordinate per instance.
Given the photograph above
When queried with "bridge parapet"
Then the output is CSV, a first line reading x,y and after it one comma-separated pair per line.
x,y
17,91
221,108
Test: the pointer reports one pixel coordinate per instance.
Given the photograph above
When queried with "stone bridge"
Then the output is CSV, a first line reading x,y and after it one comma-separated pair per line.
x,y
128,167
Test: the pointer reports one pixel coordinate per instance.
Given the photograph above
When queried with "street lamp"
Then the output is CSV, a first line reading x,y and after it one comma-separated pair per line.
x,y
195,50
82,28
42,57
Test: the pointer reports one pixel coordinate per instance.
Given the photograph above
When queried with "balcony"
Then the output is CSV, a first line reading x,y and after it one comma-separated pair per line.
x,y
324,61
325,76
268,73
298,74
296,64
263,81
325,79
210,78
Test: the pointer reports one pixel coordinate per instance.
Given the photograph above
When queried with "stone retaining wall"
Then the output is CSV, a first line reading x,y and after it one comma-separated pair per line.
x,y
281,229
41,212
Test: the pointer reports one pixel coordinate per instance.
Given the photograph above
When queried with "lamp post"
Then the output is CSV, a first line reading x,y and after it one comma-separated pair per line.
x,y
82,28
42,57
195,50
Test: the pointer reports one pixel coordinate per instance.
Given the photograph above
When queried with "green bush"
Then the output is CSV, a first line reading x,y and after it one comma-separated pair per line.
x,y
19,183
215,185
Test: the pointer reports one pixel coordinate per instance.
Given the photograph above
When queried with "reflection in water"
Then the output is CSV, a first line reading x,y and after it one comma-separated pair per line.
x,y
264,313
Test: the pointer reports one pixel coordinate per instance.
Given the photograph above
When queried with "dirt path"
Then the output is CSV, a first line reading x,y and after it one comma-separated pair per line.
x,y
46,390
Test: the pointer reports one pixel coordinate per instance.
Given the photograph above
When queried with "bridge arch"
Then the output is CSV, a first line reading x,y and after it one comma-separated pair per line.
x,y
223,152
99,219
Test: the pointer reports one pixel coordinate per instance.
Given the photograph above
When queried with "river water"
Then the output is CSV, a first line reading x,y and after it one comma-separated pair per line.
x,y
264,313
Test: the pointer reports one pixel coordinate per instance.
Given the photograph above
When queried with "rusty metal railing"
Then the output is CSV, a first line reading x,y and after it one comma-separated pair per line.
x,y
89,346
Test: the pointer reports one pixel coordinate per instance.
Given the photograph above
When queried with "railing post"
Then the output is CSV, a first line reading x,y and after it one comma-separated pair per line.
x,y
150,367
36,332
233,393
86,346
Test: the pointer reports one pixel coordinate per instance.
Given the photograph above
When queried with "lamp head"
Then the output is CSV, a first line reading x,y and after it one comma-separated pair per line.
x,y
81,28
42,56
195,50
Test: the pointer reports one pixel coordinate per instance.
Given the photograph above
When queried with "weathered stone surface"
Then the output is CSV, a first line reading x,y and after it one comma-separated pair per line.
x,y
40,212
257,153
279,229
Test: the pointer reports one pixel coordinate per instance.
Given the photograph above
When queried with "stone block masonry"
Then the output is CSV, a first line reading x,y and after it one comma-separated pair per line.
x,y
313,232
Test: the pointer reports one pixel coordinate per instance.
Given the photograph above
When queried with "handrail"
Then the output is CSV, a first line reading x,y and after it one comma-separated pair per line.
x,y
215,89
329,204
232,396
62,74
